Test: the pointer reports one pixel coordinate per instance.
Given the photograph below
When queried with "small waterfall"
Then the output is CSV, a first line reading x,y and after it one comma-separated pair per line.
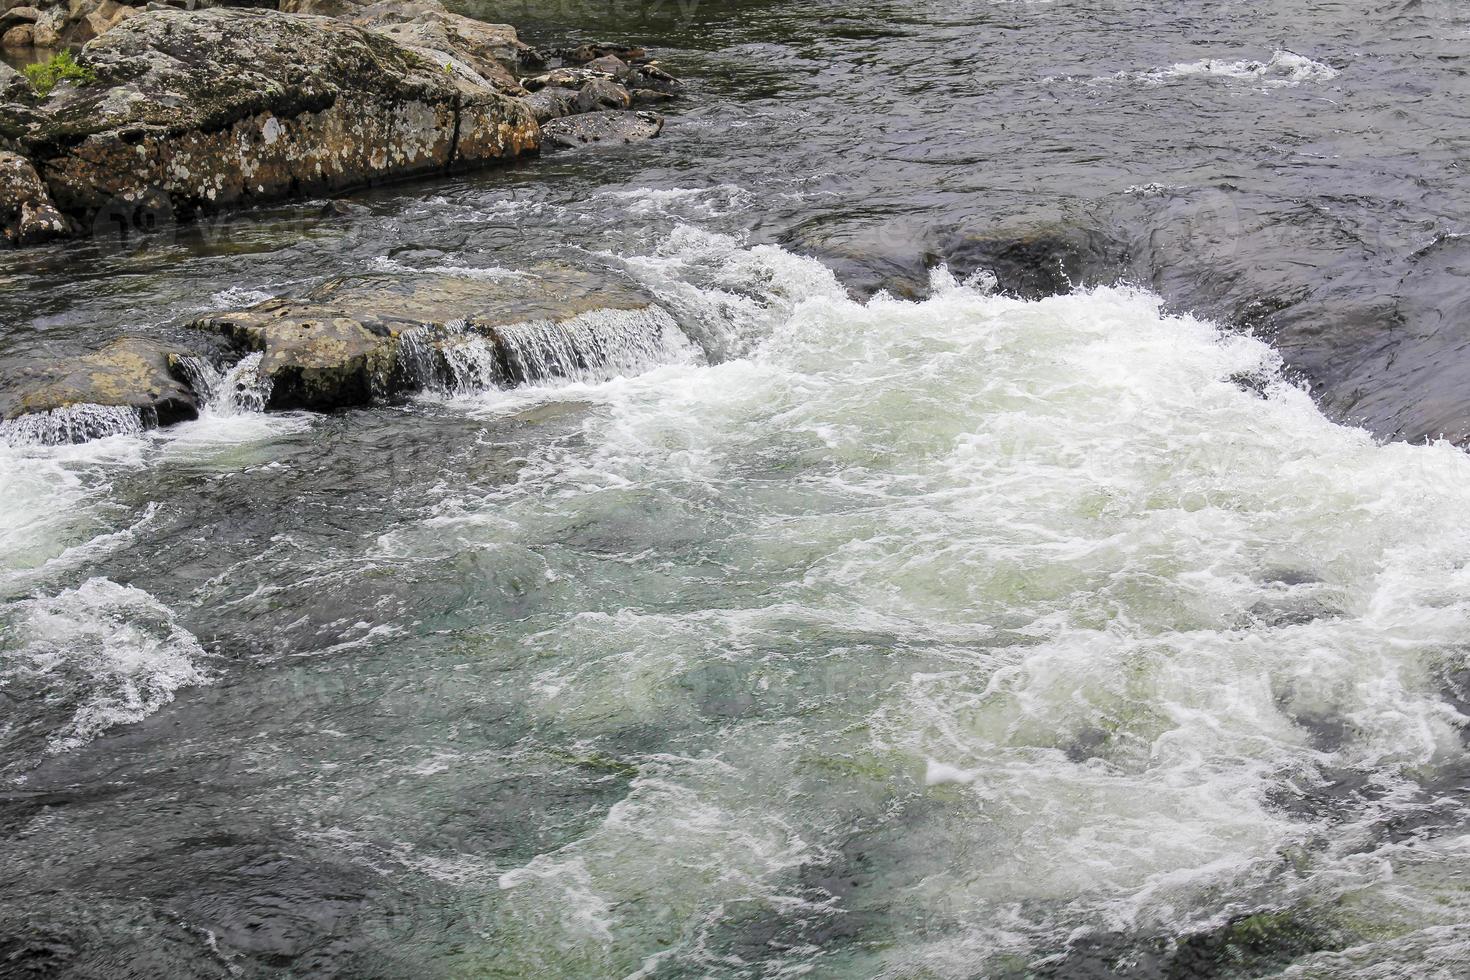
x,y
74,424
592,347
242,388
472,364
238,389
199,374
460,358
449,358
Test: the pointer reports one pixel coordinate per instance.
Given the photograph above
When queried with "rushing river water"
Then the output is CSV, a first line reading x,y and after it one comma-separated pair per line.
x,y
940,632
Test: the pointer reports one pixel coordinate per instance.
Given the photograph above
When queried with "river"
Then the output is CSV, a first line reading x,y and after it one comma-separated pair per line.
x,y
922,608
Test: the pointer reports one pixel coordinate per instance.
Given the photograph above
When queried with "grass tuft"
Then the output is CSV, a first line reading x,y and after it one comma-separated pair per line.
x,y
46,75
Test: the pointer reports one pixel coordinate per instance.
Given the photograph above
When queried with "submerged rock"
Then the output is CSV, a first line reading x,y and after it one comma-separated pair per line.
x,y
129,373
602,128
199,110
357,339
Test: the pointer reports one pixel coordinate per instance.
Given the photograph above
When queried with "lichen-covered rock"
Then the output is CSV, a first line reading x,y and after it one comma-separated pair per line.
x,y
127,373
357,339
27,214
493,51
196,111
601,129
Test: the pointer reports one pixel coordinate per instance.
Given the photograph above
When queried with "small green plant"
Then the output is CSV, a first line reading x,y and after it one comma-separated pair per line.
x,y
45,75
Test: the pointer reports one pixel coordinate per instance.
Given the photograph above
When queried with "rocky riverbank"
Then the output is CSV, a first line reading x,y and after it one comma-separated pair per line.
x,y
166,113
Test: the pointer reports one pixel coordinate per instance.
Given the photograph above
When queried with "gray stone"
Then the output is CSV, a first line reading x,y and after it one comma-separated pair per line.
x,y
601,129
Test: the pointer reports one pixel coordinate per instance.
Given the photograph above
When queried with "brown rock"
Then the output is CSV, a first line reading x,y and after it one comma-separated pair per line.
x,y
602,93
19,36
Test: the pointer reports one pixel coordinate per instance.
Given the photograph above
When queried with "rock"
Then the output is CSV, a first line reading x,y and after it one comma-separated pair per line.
x,y
45,36
654,78
602,93
591,52
573,78
27,214
221,107
609,63
104,18
127,373
17,14
358,339
649,97
602,128
551,103
1036,260
492,51
19,36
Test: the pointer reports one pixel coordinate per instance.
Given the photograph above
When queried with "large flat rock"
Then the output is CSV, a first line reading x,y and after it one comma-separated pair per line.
x,y
356,339
129,373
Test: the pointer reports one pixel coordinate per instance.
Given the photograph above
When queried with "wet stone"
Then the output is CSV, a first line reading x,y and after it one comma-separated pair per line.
x,y
129,373
602,129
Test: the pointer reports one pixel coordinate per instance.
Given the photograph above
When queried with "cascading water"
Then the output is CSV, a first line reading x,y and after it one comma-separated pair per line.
x,y
462,358
238,389
72,424
593,347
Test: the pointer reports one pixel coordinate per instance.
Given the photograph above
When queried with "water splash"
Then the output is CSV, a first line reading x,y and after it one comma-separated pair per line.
x,y
239,389
95,656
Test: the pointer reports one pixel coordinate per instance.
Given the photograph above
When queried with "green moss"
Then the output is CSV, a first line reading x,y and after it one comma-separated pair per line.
x,y
46,75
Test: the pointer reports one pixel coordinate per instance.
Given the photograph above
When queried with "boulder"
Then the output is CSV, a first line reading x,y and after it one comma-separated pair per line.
x,y
644,97
602,93
551,103
19,36
493,51
609,63
197,111
601,129
357,339
573,78
652,77
27,214
127,373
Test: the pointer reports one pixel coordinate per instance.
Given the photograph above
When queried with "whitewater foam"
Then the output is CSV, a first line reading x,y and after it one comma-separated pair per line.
x,y
1282,69
102,655
1036,592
